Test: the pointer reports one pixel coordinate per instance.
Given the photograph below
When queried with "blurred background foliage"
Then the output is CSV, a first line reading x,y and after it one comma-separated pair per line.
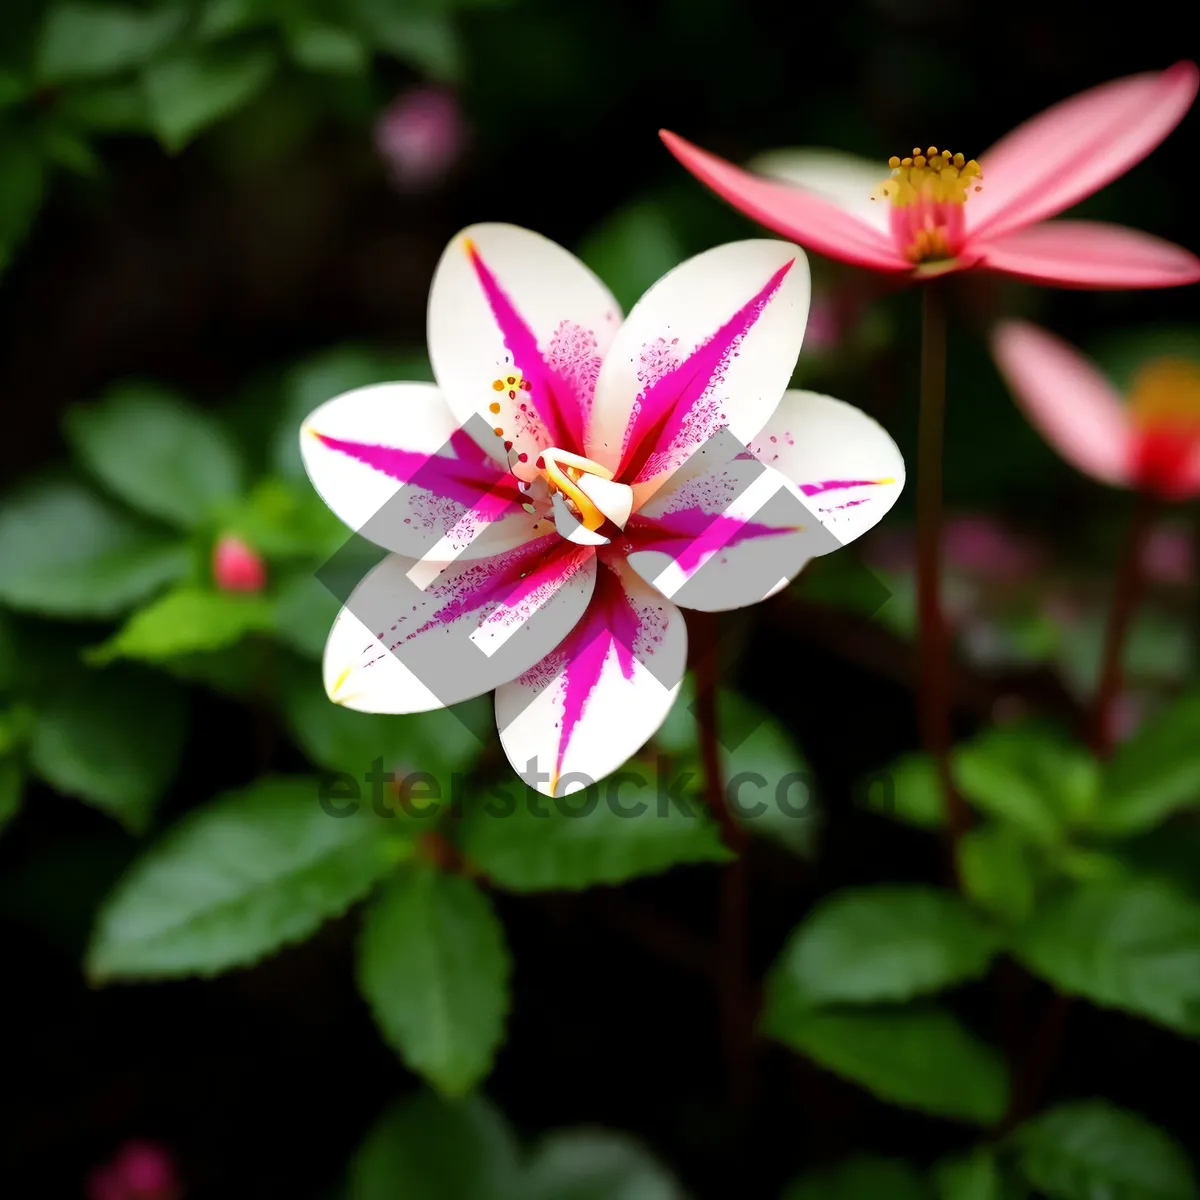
x,y
214,215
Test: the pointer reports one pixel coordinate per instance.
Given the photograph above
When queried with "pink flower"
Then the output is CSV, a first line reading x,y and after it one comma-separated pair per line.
x,y
1151,443
984,547
1169,556
920,223
140,1171
236,567
573,480
421,136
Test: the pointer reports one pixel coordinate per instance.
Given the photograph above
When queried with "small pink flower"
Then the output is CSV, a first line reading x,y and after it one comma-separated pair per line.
x,y
920,222
984,547
1169,556
1151,443
236,567
421,135
140,1171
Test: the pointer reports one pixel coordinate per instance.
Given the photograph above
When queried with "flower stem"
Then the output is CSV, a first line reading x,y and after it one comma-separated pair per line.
x,y
1129,586
933,639
733,979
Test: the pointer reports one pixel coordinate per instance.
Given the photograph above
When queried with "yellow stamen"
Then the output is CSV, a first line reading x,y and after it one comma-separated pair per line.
x,y
937,176
563,469
1166,392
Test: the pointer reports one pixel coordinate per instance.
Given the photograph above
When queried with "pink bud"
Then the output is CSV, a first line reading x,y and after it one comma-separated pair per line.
x,y
1126,715
421,135
236,567
823,328
1169,556
983,546
140,1171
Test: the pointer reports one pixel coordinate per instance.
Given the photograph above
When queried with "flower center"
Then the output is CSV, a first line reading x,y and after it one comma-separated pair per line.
x,y
1164,405
1165,395
584,496
928,192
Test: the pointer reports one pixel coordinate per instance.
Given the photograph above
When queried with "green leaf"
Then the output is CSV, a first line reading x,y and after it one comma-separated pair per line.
x,y
909,791
82,40
220,18
305,610
24,178
879,944
254,870
195,89
1091,1149
12,785
631,249
611,832
157,453
341,739
434,968
329,374
286,519
1028,778
1132,944
998,871
769,785
318,46
9,659
107,107
861,1179
594,1164
112,739
187,621
427,40
67,553
920,1058
975,1177
1152,775
437,1150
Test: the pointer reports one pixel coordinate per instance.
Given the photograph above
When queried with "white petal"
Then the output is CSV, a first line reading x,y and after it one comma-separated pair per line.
x,y
510,304
725,531
713,343
843,179
846,464
392,463
398,648
592,704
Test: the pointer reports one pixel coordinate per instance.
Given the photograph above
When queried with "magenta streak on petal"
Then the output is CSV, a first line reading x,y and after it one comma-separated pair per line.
x,y
559,407
470,477
835,485
700,532
664,407
610,621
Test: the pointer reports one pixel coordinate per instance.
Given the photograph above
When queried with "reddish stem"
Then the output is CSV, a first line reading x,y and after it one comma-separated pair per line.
x,y
933,636
1130,584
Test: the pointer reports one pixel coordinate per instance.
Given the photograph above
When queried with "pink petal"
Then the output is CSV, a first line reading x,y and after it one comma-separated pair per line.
x,y
412,638
592,703
1077,146
1090,254
803,216
1067,399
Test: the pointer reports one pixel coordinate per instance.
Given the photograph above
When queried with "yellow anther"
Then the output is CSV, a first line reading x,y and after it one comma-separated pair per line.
x,y
1166,393
563,470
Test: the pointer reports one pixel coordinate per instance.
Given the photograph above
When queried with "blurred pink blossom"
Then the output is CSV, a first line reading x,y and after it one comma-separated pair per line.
x,y
1169,555
824,329
140,1170
984,546
236,567
971,545
1126,715
421,135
